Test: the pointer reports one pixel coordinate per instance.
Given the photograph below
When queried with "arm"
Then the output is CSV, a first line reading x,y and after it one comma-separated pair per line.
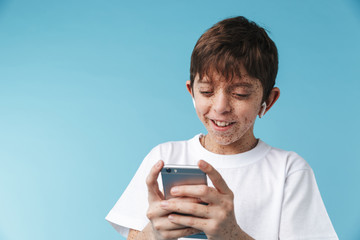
x,y
145,234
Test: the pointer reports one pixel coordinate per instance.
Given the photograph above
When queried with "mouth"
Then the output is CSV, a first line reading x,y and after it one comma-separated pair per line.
x,y
222,124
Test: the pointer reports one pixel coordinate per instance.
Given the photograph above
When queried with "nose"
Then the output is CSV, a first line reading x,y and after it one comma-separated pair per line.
x,y
221,103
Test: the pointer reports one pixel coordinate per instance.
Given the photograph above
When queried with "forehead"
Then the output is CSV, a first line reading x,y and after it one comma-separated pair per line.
x,y
237,81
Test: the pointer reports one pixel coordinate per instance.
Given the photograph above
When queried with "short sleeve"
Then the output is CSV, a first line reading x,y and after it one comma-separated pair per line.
x,y
130,210
303,213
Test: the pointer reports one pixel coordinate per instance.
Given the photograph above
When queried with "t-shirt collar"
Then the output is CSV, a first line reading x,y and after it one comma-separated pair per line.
x,y
233,160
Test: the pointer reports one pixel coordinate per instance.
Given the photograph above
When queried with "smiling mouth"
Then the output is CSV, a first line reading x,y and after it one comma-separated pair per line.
x,y
222,124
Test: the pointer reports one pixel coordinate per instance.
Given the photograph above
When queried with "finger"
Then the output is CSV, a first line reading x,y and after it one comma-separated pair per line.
x,y
189,221
151,181
187,199
163,224
201,192
195,209
156,211
215,177
179,233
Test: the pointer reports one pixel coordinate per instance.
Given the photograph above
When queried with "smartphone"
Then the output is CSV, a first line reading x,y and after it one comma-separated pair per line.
x,y
177,175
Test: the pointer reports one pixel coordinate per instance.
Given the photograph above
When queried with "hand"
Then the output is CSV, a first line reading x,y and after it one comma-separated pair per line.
x,y
162,227
217,219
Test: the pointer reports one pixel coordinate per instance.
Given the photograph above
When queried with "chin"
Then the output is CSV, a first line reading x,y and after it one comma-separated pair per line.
x,y
225,140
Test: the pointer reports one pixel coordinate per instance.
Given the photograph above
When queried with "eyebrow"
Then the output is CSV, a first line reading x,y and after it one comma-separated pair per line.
x,y
243,84
238,84
204,80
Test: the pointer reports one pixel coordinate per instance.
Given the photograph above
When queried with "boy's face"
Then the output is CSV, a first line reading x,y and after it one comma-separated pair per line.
x,y
227,109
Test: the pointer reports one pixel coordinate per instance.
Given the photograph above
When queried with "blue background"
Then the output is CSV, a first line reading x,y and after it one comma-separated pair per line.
x,y
87,88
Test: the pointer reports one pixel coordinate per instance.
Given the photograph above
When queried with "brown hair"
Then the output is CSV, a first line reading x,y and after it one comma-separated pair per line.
x,y
230,43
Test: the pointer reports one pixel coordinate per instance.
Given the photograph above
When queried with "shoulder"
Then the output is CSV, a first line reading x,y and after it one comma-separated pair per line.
x,y
291,161
166,147
173,150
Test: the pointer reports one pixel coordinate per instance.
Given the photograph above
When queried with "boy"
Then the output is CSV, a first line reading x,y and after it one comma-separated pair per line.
x,y
257,191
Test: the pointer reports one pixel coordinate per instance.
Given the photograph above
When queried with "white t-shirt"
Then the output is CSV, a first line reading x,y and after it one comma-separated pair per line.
x,y
276,195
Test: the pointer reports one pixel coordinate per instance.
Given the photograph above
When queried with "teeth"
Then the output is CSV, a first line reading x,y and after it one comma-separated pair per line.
x,y
222,124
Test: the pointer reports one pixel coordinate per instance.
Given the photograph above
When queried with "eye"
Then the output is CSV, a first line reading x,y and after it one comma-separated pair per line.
x,y
206,93
242,96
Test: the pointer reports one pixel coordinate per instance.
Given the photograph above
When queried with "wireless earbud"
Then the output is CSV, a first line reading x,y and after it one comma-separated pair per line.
x,y
263,108
194,103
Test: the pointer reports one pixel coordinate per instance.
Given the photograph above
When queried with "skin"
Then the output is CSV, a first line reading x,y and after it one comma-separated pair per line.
x,y
237,102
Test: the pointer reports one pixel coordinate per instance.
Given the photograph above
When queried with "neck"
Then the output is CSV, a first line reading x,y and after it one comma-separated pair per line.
x,y
242,145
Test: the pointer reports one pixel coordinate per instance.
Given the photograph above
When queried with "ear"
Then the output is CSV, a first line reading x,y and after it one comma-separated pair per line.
x,y
273,97
188,86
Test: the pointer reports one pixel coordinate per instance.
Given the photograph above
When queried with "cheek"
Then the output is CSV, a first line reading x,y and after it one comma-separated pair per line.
x,y
249,114
248,121
202,107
